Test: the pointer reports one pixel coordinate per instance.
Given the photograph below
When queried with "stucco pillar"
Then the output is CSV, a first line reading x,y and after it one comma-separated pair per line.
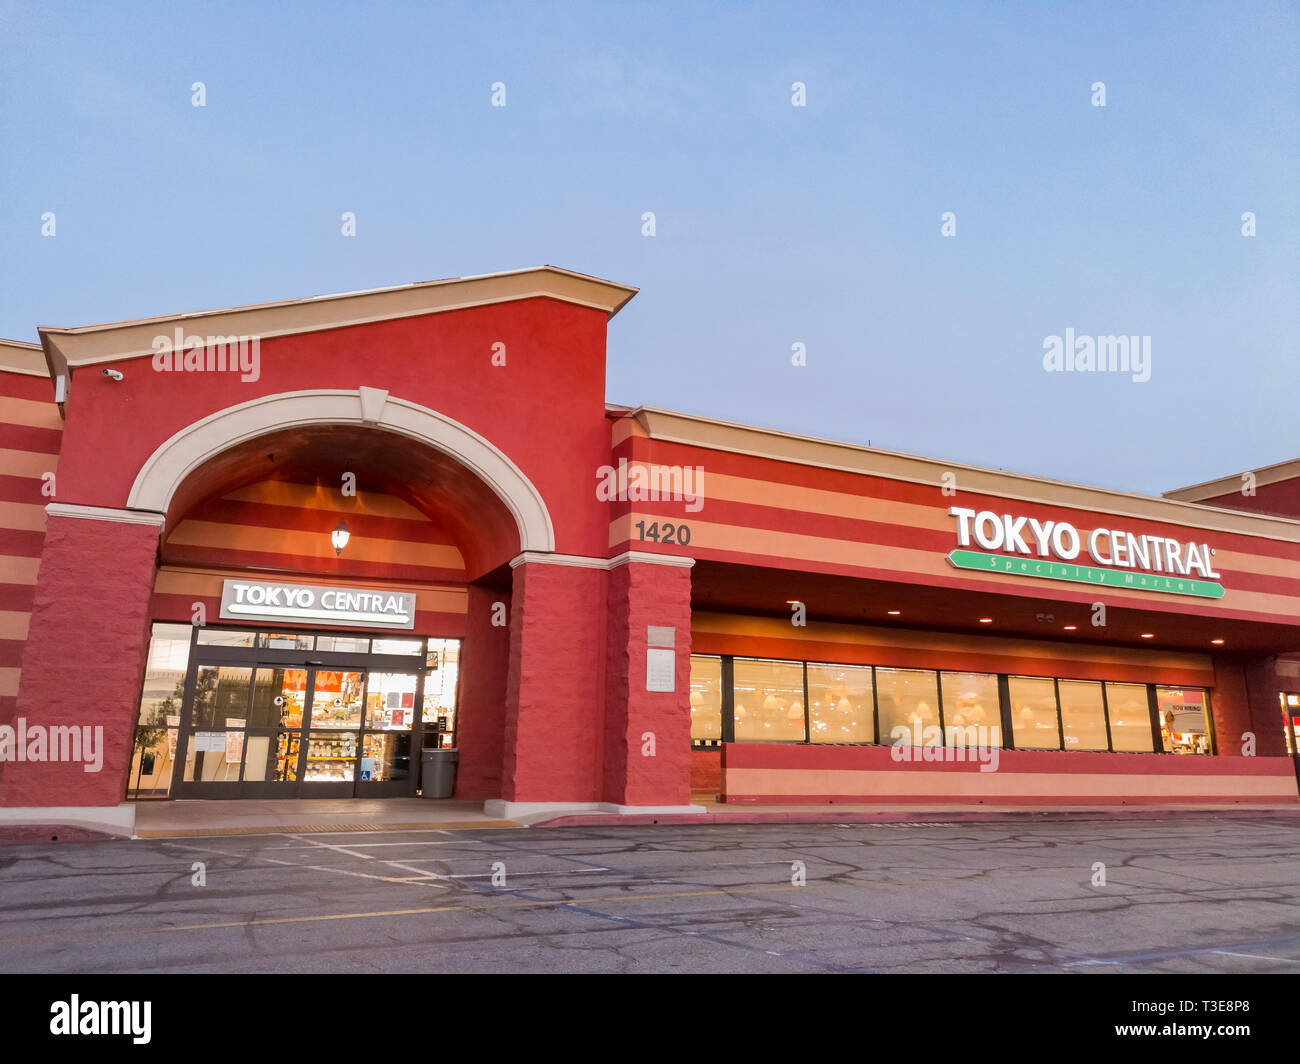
x,y
555,683
85,656
485,660
1245,700
648,732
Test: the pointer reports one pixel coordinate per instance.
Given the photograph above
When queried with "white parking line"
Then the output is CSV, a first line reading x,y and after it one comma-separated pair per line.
x,y
516,875
326,846
290,864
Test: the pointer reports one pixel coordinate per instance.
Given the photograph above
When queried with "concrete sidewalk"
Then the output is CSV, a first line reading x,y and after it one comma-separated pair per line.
x,y
246,817
170,819
191,819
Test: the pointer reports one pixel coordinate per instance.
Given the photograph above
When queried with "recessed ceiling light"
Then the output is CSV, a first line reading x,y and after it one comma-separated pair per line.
x,y
1148,635
1217,642
1071,627
894,613
986,620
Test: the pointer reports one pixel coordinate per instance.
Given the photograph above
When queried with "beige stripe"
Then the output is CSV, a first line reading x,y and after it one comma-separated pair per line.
x,y
14,624
32,412
906,639
817,501
8,682
624,428
15,570
313,544
314,497
768,543
203,583
906,781
27,516
27,463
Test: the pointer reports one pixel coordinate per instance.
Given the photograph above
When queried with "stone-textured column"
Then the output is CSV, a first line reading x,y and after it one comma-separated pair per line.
x,y
1263,685
85,656
555,686
484,661
648,733
1245,700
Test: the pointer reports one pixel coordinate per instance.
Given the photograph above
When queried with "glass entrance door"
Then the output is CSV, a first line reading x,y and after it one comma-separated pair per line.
x,y
317,731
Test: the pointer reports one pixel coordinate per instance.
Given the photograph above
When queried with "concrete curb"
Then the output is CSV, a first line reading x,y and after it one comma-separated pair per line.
x,y
845,816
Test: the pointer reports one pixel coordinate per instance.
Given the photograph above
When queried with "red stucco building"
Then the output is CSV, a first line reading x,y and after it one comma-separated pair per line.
x,y
279,550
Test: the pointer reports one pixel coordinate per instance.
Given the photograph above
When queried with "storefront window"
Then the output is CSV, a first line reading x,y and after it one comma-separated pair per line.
x,y
226,637
220,715
706,697
336,699
331,757
1130,717
386,758
278,698
285,641
840,704
1290,719
343,644
1184,724
439,710
154,754
1033,713
970,700
390,701
768,701
908,702
1083,715
397,646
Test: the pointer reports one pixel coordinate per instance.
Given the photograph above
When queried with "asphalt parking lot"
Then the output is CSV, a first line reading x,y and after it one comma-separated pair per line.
x,y
1190,893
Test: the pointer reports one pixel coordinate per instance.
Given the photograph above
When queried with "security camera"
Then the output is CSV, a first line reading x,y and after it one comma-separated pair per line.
x,y
113,374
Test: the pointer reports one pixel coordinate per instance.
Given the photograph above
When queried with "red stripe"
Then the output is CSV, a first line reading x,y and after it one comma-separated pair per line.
x,y
995,799
23,489
21,544
11,653
972,660
218,557
802,758
30,438
872,486
17,597
305,519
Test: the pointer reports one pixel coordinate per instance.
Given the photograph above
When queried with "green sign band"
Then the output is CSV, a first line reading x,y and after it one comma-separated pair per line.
x,y
1084,574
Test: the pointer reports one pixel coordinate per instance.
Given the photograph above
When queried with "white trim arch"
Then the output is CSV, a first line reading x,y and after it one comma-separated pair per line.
x,y
166,469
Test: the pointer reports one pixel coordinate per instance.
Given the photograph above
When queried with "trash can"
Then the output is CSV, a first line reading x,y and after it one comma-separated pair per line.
x,y
438,772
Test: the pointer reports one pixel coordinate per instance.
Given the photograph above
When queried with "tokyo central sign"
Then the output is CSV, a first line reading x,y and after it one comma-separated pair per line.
x,y
243,600
1118,559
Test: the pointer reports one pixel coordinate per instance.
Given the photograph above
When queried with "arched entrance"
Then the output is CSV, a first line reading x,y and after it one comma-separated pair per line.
x,y
281,697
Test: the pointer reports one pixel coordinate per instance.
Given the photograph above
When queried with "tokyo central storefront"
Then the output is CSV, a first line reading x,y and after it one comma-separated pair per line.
x,y
290,549
275,714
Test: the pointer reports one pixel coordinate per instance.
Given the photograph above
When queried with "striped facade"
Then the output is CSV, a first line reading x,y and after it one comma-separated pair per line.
x,y
30,430
281,529
586,554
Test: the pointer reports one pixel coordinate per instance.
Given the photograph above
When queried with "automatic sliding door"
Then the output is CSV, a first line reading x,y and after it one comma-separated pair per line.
x,y
335,710
273,746
213,732
388,743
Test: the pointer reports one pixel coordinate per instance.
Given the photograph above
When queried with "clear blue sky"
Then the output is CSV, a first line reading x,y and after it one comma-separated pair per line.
x,y
775,224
